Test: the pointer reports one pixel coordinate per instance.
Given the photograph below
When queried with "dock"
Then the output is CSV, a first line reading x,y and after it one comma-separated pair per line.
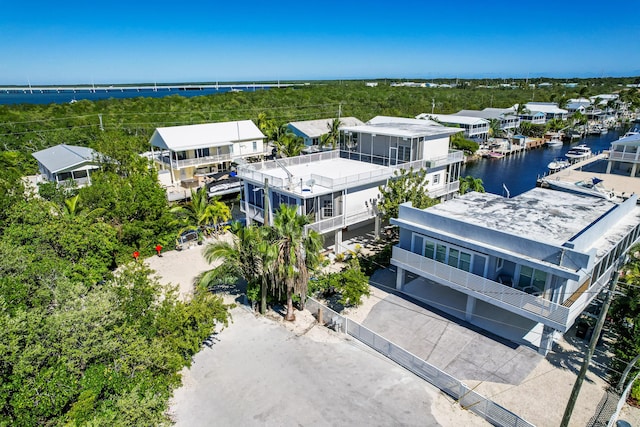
x,y
595,166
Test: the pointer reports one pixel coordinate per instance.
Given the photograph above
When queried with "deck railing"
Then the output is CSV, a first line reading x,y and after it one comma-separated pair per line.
x,y
530,306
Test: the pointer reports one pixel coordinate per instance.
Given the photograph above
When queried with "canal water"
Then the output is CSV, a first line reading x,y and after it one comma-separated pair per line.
x,y
519,172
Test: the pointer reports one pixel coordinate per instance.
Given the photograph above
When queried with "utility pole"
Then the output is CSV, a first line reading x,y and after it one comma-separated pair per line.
x,y
265,203
101,126
592,344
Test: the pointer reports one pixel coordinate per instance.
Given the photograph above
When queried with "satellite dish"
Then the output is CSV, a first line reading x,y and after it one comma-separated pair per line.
x,y
311,182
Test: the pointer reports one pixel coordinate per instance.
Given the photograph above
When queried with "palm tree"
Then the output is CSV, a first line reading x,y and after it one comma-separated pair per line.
x,y
298,253
469,183
494,128
333,136
199,211
240,258
288,143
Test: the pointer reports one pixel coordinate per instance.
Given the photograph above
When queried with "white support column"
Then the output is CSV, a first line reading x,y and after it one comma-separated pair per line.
x,y
399,278
546,341
471,306
609,163
633,169
337,237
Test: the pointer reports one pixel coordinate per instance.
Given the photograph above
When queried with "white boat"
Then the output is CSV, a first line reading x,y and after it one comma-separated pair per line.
x,y
557,165
578,152
592,187
554,142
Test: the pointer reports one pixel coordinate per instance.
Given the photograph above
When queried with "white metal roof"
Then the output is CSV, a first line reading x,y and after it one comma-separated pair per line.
x,y
451,118
317,128
390,119
62,157
493,113
545,107
402,127
189,137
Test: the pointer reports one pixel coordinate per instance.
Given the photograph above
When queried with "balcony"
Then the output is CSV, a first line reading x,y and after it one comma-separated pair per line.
x,y
624,157
454,156
449,188
511,299
197,162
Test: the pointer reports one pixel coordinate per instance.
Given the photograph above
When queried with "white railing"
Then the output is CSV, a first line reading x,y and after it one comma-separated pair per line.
x,y
206,160
623,157
449,188
326,225
535,308
453,157
355,217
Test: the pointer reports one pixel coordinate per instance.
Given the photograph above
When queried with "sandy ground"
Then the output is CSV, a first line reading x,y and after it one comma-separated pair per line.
x,y
539,398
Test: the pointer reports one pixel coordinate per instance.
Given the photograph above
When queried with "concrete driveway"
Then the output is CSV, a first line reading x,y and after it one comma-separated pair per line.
x,y
259,373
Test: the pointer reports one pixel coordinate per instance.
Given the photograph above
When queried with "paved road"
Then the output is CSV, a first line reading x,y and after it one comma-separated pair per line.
x,y
260,373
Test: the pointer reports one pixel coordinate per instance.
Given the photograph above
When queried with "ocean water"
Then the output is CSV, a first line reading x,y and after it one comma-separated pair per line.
x,y
67,96
519,172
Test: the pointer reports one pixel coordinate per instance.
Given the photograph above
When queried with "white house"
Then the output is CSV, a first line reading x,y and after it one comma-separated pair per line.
x,y
312,130
624,155
550,110
339,188
523,268
191,150
474,127
508,120
68,164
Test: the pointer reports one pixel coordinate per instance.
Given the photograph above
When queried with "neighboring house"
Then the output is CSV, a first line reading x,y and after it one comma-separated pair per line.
x,y
312,131
508,120
550,110
68,164
533,117
192,150
474,127
339,188
624,155
576,106
524,268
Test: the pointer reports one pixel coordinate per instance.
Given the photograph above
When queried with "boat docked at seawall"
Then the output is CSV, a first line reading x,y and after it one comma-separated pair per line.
x,y
591,187
554,142
558,164
579,152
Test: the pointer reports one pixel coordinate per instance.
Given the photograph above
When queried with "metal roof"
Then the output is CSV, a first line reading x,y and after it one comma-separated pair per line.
x,y
317,128
545,107
451,118
189,137
493,113
62,157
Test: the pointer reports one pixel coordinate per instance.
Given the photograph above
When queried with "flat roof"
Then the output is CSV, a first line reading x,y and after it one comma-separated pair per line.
x,y
331,168
539,214
486,114
402,127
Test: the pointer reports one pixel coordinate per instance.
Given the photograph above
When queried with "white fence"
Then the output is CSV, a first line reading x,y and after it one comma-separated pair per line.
x,y
468,399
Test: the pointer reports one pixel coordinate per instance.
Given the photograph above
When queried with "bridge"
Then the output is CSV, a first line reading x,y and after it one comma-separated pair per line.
x,y
137,88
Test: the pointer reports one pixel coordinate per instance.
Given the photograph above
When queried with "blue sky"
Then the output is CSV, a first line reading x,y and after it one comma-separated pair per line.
x,y
142,41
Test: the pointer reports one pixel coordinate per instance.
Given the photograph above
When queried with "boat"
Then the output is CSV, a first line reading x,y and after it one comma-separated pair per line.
x,y
596,129
591,187
555,141
572,134
579,152
557,165
494,155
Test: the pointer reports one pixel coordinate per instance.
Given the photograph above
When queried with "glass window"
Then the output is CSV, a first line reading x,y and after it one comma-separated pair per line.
x,y
429,248
465,261
454,255
255,146
526,273
441,253
539,279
